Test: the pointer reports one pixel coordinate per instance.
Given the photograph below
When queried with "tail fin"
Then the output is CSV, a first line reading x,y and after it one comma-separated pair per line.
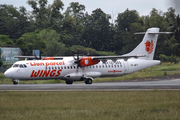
x,y
148,45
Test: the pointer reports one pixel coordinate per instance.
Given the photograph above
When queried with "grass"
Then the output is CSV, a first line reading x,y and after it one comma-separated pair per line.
x,y
164,69
94,105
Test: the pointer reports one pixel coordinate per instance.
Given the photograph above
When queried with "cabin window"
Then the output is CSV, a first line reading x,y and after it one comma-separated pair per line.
x,y
74,67
61,67
99,66
64,67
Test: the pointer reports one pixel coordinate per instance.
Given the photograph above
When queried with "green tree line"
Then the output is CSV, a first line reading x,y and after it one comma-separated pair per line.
x,y
56,32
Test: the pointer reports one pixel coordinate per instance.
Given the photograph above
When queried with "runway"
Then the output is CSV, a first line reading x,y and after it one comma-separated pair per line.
x,y
102,86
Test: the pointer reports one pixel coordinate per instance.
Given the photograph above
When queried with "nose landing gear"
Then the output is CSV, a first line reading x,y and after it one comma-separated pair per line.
x,y
15,82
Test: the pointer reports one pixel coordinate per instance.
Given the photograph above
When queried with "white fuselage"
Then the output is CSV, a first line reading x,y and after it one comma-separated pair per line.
x,y
66,69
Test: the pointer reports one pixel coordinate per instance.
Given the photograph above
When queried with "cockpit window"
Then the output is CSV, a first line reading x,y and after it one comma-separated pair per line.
x,y
19,65
16,65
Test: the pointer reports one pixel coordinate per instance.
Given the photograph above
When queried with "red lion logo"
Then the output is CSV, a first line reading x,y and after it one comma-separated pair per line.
x,y
149,46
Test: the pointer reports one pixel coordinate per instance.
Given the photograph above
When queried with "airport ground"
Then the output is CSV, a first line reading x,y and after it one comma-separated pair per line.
x,y
90,105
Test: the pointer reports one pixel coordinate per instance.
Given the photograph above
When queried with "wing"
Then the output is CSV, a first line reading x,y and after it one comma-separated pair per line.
x,y
42,57
28,57
116,57
88,61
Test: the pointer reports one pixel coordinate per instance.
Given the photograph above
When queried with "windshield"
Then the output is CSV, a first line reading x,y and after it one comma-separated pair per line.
x,y
15,65
19,65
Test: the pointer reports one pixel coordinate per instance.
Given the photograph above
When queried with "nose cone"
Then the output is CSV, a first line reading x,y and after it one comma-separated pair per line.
x,y
8,73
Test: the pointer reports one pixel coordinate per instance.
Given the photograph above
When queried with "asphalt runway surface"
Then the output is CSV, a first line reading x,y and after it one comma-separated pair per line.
x,y
102,86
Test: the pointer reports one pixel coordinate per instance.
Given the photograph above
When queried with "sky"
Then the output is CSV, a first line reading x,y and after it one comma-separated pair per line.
x,y
112,7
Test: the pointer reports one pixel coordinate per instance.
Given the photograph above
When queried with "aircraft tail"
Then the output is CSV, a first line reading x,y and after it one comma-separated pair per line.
x,y
148,45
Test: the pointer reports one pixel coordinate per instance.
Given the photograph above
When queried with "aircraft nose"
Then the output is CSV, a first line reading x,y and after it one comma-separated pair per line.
x,y
8,74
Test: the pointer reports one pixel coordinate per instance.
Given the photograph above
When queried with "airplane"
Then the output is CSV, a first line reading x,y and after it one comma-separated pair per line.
x,y
86,68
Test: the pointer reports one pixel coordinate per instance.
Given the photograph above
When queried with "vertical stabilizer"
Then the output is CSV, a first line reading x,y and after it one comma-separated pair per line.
x,y
148,45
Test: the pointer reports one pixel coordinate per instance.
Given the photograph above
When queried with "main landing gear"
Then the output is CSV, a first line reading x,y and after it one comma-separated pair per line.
x,y
86,81
69,82
15,82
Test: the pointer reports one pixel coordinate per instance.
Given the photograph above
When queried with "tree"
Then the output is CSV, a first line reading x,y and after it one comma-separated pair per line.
x,y
77,49
46,15
29,42
97,32
75,10
126,25
170,17
177,29
125,19
130,41
54,45
12,21
1,62
73,24
5,41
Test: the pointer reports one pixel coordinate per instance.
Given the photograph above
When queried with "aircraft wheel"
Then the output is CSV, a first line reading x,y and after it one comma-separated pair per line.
x,y
88,81
15,83
69,82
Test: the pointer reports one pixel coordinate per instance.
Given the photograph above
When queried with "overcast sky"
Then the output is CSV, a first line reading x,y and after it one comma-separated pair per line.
x,y
110,6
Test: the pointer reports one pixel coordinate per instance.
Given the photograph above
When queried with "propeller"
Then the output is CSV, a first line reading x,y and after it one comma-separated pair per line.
x,y
77,61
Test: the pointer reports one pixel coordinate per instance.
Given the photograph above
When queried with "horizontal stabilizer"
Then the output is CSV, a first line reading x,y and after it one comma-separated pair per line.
x,y
142,33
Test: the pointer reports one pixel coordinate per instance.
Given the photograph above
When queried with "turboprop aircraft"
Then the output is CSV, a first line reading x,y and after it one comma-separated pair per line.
x,y
85,69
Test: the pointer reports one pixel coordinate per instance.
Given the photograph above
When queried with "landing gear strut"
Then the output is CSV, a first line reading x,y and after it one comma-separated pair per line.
x,y
88,80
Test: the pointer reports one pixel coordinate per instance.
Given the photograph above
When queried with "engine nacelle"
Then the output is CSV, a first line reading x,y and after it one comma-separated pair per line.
x,y
48,58
88,61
